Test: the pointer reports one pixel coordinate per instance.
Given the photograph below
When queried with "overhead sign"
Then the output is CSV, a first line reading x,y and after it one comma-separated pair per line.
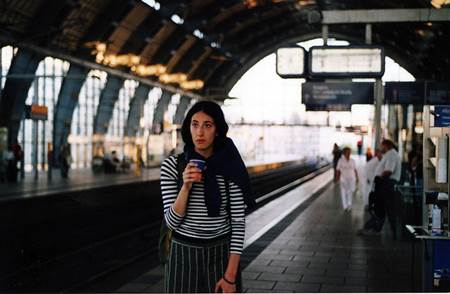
x,y
345,93
404,93
438,93
291,62
346,61
36,112
328,107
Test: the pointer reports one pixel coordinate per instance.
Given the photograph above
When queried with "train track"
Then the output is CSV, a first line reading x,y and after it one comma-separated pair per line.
x,y
78,269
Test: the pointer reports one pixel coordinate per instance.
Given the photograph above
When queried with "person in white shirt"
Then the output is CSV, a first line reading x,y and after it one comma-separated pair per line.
x,y
388,173
390,166
370,169
347,175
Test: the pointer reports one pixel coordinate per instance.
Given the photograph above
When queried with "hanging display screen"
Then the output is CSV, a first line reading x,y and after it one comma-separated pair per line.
x,y
291,62
346,61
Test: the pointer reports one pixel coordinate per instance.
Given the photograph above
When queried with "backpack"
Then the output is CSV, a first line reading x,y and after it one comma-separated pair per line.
x,y
165,233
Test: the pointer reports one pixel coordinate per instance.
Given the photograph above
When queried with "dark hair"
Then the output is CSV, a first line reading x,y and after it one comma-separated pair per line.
x,y
389,143
213,110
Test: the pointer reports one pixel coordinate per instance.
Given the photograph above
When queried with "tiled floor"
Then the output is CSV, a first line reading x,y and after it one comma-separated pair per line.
x,y
319,251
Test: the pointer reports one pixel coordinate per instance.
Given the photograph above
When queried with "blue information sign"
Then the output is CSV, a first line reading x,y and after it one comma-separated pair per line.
x,y
441,116
438,93
404,93
347,93
328,107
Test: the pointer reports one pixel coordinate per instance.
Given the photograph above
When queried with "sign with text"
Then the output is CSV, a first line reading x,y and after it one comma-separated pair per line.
x,y
441,116
328,107
36,112
438,93
345,93
404,93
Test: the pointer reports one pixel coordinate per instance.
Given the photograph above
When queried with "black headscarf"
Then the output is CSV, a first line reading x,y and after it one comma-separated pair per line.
x,y
227,162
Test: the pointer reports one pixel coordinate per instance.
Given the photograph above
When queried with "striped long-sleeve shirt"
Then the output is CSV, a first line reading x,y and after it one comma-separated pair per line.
x,y
196,223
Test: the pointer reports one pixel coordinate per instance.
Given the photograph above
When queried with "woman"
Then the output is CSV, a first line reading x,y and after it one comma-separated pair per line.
x,y
348,176
336,155
208,225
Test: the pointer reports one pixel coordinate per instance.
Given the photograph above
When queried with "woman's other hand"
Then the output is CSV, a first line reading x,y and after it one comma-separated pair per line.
x,y
225,287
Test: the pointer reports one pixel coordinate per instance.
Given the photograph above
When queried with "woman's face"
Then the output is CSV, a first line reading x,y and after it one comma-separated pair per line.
x,y
347,153
203,130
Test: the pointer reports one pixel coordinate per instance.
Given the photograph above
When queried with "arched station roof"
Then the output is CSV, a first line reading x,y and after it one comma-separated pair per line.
x,y
213,41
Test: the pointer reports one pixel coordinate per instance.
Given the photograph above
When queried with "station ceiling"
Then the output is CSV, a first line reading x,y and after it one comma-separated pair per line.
x,y
204,46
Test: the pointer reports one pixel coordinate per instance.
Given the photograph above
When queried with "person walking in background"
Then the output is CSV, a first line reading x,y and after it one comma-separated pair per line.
x,y
359,146
348,177
369,154
370,170
336,155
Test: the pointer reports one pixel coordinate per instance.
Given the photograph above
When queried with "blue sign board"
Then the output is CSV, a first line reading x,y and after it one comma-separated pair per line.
x,y
442,116
404,93
328,107
438,93
346,93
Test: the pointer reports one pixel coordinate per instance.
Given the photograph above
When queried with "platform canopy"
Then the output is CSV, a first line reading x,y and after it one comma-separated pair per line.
x,y
202,47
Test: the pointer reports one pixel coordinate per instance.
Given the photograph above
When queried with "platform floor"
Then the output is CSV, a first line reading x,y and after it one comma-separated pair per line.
x,y
312,248
319,251
79,179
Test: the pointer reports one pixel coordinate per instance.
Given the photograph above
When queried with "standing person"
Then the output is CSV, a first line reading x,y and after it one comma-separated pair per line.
x,y
65,160
14,156
348,176
208,226
369,154
336,155
370,170
11,167
388,173
359,146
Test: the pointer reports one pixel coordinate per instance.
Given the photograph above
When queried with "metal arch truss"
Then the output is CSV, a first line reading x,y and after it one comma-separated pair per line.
x,y
15,92
108,97
181,110
67,101
136,110
161,108
385,15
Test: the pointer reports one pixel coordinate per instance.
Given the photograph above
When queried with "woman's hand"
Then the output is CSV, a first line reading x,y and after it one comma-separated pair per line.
x,y
225,287
191,175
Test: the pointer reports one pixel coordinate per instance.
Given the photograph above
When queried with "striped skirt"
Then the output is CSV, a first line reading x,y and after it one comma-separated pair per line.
x,y
194,267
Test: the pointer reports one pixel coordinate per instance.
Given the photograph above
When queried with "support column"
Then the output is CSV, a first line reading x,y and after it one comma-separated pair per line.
x,y
379,99
15,92
368,33
325,34
161,108
181,110
136,110
108,98
65,106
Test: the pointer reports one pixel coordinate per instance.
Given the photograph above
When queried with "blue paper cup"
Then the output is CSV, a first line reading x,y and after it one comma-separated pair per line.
x,y
199,163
